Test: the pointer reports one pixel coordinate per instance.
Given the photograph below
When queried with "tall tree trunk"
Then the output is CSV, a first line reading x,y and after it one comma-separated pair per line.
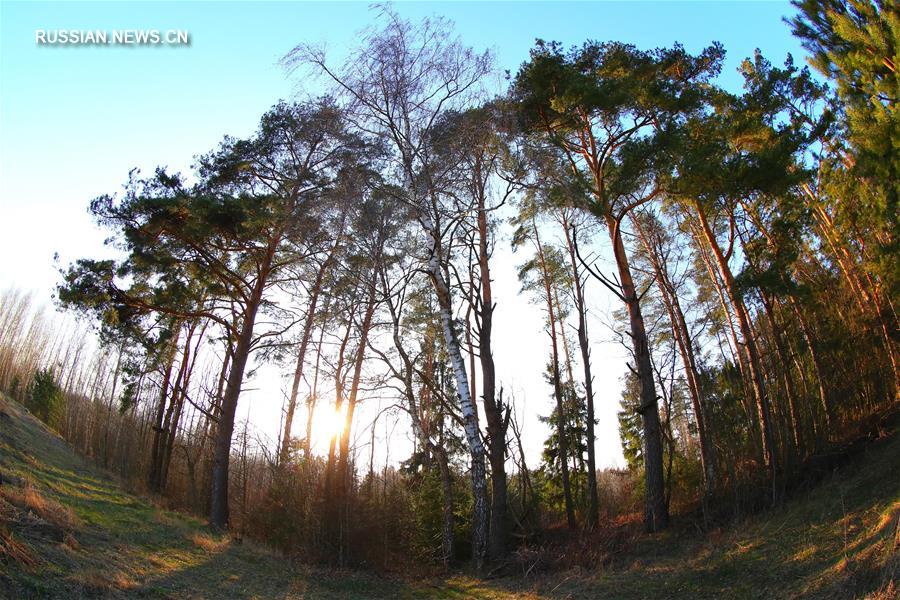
x,y
818,369
344,479
656,514
340,379
313,396
869,303
466,402
156,449
218,509
344,460
770,306
173,416
424,437
301,355
782,367
179,396
112,399
750,347
785,370
584,345
737,357
557,386
685,345
493,407
470,347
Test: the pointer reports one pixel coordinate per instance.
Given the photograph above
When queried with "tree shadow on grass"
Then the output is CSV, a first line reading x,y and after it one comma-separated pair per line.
x,y
242,571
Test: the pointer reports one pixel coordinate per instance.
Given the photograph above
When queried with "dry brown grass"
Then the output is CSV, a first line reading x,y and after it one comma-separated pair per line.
x,y
15,551
97,581
28,498
209,543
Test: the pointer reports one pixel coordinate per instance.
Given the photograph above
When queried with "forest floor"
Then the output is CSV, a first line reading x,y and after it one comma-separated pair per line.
x,y
68,530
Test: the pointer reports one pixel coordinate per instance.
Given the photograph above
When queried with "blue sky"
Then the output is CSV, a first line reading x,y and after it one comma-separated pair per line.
x,y
74,120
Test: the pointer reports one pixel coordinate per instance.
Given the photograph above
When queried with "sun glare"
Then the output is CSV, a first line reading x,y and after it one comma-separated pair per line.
x,y
327,423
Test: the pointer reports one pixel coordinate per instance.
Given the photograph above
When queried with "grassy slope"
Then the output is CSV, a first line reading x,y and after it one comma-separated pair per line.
x,y
85,537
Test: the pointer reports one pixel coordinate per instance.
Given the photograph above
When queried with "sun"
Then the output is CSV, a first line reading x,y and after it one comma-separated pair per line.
x,y
327,424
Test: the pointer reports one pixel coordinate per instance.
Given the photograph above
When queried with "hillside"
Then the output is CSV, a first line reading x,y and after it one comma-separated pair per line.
x,y
68,530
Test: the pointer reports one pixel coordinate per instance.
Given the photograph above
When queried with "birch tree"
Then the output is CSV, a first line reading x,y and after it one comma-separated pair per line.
x,y
396,84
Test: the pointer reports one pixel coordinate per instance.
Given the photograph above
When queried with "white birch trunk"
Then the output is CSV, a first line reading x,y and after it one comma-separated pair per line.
x,y
466,403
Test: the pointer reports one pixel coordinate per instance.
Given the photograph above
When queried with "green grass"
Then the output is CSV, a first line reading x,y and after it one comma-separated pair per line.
x,y
838,539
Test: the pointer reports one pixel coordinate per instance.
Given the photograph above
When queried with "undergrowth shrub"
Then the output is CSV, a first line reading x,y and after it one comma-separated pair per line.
x,y
45,398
